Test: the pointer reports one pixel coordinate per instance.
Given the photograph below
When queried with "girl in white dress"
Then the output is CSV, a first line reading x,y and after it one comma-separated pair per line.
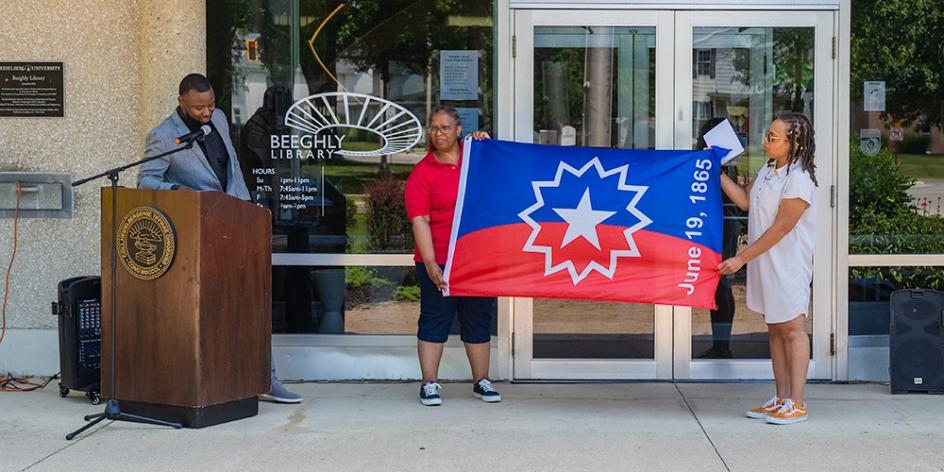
x,y
779,256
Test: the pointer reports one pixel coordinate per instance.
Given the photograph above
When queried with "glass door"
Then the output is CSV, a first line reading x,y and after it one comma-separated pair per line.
x,y
654,79
750,67
593,79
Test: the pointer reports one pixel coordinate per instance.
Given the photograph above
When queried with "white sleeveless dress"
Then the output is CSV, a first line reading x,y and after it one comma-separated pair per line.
x,y
778,281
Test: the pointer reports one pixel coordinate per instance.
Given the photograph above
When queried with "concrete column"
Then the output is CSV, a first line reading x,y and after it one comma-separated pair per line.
x,y
123,60
172,44
97,42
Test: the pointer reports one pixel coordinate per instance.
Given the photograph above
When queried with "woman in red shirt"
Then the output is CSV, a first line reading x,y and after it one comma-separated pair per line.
x,y
431,192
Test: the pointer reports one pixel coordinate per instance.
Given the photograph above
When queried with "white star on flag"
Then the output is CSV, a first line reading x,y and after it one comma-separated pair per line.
x,y
582,221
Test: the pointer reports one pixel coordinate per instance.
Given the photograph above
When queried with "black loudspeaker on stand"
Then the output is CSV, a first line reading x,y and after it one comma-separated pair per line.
x,y
112,407
916,354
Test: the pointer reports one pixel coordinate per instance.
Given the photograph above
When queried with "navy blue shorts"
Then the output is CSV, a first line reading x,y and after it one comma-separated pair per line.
x,y
437,313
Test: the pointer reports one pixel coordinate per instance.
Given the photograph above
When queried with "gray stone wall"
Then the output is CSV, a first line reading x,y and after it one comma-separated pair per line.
x,y
123,60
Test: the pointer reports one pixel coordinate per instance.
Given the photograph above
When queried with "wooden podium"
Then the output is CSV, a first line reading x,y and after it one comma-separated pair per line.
x,y
194,303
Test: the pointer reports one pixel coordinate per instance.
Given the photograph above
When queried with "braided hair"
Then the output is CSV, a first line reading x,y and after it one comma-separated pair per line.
x,y
802,141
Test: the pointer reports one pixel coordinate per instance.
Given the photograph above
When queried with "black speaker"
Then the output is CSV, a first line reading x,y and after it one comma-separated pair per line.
x,y
79,309
916,362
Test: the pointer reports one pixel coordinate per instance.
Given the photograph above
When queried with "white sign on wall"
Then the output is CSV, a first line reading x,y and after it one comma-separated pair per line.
x,y
458,75
469,117
874,95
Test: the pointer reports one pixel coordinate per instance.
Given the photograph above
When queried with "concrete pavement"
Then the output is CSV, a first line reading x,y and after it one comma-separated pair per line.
x,y
572,427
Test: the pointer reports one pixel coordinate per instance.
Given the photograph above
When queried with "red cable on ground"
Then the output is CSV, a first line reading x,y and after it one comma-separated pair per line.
x,y
6,282
8,383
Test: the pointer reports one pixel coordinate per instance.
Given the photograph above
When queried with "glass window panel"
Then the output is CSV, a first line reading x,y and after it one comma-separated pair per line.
x,y
871,287
748,75
895,202
579,329
347,300
733,330
266,55
595,86
896,176
263,56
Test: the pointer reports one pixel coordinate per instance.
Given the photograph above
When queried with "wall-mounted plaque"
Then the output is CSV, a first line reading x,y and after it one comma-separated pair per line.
x,y
29,89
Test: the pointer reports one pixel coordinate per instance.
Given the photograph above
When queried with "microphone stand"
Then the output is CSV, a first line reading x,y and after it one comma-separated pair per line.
x,y
112,407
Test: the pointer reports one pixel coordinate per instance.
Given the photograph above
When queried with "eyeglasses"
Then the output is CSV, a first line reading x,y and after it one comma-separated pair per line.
x,y
443,130
770,136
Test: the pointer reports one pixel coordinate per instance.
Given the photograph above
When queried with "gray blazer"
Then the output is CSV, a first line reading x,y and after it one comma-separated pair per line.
x,y
188,168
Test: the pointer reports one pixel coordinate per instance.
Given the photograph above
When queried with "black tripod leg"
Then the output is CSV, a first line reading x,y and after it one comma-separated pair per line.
x,y
146,420
92,417
98,419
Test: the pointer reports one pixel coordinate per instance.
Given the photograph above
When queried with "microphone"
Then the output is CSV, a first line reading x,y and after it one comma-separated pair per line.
x,y
188,138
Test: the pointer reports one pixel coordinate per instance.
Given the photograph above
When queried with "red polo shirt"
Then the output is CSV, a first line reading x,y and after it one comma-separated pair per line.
x,y
431,190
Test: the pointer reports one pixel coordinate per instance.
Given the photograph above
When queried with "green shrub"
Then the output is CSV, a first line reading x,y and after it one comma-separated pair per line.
x,y
898,232
350,210
407,293
903,277
363,286
883,220
876,184
387,226
358,276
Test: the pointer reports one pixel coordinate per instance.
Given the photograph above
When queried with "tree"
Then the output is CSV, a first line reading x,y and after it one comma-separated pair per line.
x,y
902,43
378,35
374,34
792,58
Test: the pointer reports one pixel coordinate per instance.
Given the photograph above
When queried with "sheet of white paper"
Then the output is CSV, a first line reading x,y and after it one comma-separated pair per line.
x,y
723,136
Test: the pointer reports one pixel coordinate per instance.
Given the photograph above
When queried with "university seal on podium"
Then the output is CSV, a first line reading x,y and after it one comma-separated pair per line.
x,y
146,243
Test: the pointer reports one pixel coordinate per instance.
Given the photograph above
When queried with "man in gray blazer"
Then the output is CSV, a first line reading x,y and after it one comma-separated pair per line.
x,y
211,165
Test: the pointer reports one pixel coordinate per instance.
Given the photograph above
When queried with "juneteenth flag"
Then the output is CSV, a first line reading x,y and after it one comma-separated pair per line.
x,y
587,223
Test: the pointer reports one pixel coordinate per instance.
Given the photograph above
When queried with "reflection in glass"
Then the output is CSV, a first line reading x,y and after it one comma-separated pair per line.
x,y
896,184
750,75
265,55
871,287
339,300
347,300
579,329
747,76
895,208
743,337
594,86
